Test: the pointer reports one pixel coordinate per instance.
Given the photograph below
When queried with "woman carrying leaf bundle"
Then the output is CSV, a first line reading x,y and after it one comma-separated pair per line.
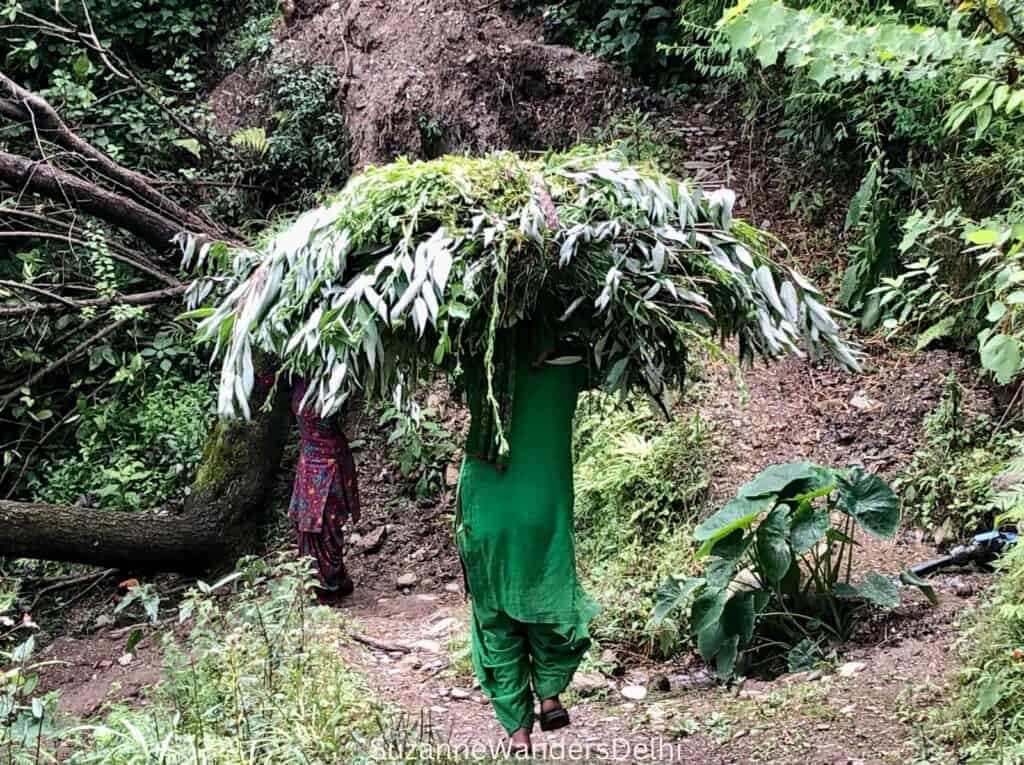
x,y
515,532
324,497
468,264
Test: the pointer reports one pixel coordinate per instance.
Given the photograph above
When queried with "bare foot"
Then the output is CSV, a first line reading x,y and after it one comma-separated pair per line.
x,y
520,742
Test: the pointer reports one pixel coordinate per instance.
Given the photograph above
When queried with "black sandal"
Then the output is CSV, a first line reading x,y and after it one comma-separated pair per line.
x,y
554,719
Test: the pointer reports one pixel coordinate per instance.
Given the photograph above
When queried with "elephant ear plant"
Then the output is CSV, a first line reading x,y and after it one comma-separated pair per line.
x,y
780,565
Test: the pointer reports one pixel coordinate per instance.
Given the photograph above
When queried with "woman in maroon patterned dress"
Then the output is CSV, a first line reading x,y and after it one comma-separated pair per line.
x,y
325,496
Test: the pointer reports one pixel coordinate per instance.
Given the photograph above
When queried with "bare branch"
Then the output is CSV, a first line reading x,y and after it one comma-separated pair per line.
x,y
71,355
139,298
138,262
38,291
153,227
37,111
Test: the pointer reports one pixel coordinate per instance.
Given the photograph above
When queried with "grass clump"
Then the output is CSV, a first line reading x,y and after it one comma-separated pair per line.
x,y
640,488
984,724
259,679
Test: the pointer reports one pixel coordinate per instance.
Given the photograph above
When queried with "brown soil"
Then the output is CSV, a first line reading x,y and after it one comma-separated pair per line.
x,y
436,76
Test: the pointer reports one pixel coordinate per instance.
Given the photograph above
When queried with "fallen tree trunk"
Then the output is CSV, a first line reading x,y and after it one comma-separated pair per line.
x,y
220,520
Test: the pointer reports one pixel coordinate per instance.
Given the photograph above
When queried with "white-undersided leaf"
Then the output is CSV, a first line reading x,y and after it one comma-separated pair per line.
x,y
358,282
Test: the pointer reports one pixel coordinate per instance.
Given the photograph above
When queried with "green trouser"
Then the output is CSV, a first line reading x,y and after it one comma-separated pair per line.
x,y
510,656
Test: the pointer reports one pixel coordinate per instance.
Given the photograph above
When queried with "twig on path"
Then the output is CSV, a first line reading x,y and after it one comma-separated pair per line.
x,y
381,645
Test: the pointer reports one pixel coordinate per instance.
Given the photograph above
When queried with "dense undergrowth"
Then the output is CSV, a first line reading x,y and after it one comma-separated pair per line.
x,y
252,675
640,485
952,486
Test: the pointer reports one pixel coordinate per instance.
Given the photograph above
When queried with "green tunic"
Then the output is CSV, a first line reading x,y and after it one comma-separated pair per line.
x,y
515,537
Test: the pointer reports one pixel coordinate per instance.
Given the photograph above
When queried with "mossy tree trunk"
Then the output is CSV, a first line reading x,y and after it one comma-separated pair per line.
x,y
223,512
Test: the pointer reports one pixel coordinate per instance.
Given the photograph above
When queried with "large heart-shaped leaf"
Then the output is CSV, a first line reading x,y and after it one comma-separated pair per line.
x,y
1001,355
810,524
773,544
725,661
719,573
707,609
875,588
738,616
672,594
733,546
786,480
871,502
709,641
740,513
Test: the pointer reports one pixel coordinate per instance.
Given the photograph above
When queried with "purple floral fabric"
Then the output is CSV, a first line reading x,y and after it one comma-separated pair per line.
x,y
325,490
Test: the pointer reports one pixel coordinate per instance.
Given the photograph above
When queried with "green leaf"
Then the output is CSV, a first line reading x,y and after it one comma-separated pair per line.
x,y
911,579
199,313
733,546
996,311
672,594
773,544
709,641
738,617
81,67
990,692
871,503
982,236
876,589
785,480
134,637
860,200
809,526
1001,355
740,513
984,119
707,609
940,329
719,573
725,661
191,145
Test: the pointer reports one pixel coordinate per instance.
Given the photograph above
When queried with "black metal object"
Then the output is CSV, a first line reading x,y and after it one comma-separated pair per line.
x,y
982,550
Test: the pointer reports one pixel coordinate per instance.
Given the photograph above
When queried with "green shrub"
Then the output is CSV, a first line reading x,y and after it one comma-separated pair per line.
x,y
950,486
779,575
988,713
920,101
633,33
258,680
252,38
640,486
132,454
420,446
308,144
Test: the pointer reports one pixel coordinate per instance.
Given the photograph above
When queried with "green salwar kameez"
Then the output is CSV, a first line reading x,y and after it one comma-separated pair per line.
x,y
515,537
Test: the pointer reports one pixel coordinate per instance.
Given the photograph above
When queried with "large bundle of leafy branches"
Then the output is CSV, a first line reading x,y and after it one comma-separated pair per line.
x,y
416,263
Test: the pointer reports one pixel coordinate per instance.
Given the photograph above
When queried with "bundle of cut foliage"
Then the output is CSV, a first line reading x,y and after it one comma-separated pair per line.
x,y
430,262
